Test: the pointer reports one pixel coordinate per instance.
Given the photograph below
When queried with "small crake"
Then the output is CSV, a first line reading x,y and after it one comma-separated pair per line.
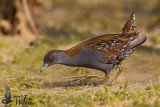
x,y
103,52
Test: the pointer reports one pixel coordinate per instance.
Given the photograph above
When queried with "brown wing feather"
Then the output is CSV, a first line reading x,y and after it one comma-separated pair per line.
x,y
115,46
98,42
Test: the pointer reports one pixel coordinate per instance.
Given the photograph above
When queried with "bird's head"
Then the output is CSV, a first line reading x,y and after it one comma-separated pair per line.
x,y
50,58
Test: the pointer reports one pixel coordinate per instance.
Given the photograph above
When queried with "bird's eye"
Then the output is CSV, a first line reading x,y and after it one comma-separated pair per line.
x,y
50,58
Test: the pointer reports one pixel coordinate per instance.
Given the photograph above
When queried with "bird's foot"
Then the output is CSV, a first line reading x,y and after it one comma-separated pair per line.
x,y
88,76
85,79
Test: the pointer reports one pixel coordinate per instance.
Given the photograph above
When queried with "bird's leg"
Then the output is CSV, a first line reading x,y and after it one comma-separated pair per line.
x,y
81,80
117,74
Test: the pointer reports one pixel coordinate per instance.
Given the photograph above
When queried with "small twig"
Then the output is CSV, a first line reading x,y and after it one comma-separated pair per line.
x,y
29,17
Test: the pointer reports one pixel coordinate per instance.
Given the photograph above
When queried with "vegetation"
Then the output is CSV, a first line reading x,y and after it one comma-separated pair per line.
x,y
64,24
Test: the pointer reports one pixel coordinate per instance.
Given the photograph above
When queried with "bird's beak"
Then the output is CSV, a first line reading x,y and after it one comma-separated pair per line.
x,y
44,67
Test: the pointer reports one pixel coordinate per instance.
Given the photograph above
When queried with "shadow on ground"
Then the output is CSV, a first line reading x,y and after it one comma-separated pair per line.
x,y
69,83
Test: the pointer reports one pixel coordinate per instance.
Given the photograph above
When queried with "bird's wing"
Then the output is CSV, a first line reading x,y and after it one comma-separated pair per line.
x,y
104,43
7,93
113,46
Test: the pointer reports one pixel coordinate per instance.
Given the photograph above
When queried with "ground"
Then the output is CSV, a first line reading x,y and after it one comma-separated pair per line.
x,y
138,85
61,25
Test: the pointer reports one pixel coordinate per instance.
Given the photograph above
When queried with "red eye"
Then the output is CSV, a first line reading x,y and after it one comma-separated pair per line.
x,y
50,58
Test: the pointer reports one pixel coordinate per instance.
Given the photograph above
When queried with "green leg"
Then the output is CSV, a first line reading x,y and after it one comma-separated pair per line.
x,y
88,76
85,78
117,75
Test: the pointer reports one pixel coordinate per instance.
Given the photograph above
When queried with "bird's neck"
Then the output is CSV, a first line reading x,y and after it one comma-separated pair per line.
x,y
63,58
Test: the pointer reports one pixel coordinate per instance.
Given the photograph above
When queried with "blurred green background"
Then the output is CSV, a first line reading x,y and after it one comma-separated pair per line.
x,y
81,19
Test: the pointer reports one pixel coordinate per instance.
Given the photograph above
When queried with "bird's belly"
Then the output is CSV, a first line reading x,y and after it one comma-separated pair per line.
x,y
97,66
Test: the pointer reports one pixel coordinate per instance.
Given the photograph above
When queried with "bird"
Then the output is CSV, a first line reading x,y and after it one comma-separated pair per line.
x,y
104,52
7,98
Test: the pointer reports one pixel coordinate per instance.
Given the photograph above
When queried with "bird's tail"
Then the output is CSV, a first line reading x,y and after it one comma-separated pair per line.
x,y
130,24
130,33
